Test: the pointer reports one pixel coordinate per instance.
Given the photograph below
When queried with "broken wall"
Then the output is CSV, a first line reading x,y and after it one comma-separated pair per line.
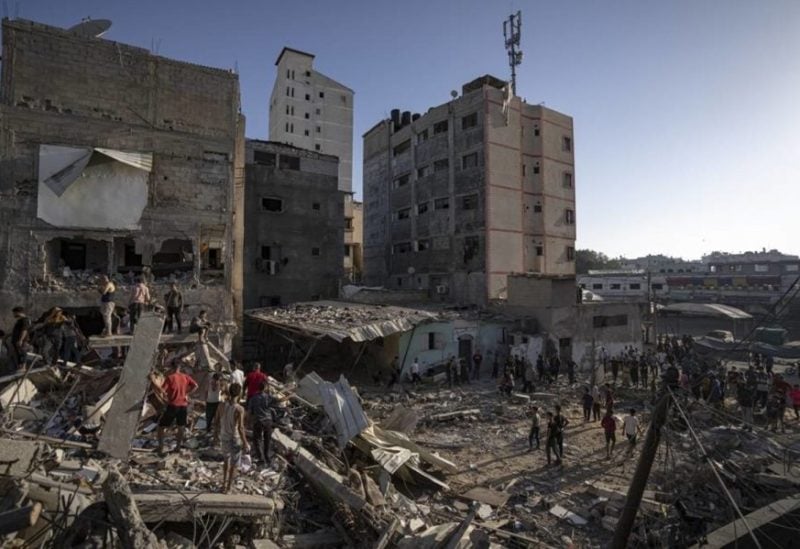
x,y
63,89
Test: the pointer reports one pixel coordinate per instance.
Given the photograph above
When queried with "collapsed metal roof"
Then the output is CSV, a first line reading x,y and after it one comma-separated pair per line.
x,y
705,309
341,320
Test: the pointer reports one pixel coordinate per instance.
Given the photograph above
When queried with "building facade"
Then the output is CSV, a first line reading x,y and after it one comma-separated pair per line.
x,y
294,225
312,111
476,189
115,161
353,240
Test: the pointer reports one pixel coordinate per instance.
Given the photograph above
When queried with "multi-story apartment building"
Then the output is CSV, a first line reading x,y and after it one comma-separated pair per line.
x,y
476,189
353,239
117,162
294,225
312,111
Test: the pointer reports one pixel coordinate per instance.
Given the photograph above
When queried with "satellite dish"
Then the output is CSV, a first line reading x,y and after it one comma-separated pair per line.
x,y
453,94
91,28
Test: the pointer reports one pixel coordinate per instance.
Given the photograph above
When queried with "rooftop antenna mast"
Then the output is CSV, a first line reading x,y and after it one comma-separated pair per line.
x,y
511,33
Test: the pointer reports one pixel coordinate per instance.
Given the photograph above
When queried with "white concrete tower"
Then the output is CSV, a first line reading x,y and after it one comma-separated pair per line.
x,y
310,110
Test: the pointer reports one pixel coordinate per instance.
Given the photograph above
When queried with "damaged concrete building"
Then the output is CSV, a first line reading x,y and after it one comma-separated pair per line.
x,y
294,224
475,189
115,160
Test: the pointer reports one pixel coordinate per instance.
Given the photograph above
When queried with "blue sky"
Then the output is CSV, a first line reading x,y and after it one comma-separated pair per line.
x,y
686,112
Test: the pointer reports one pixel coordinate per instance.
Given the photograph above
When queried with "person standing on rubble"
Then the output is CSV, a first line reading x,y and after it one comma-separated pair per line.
x,y
528,378
609,398
106,289
415,378
254,379
260,408
762,387
477,358
588,403
213,398
609,425
175,391
20,337
551,443
561,425
140,297
596,404
536,419
237,375
630,428
614,369
448,371
746,397
229,432
200,325
173,300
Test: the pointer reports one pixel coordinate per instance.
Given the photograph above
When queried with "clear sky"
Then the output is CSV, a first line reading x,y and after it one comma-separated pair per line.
x,y
687,112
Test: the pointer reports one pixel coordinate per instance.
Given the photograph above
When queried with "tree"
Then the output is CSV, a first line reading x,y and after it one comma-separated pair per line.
x,y
586,260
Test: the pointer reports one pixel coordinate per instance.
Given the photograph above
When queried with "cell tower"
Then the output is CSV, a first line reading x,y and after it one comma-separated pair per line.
x,y
511,32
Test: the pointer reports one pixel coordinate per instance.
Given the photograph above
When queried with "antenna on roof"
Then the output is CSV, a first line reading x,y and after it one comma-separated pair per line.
x,y
91,28
511,33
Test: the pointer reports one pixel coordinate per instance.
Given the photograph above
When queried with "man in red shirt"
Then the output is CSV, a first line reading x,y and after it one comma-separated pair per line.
x,y
253,380
175,392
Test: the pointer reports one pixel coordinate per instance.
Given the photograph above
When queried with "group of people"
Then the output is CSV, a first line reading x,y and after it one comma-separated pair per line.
x,y
758,389
55,336
546,370
140,300
231,401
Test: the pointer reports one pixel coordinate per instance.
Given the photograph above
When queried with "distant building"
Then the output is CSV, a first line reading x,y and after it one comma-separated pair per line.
x,y
473,190
115,161
353,240
765,262
663,264
294,225
312,111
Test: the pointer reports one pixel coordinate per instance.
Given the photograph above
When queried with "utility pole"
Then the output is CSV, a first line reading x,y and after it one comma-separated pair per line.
x,y
511,33
639,480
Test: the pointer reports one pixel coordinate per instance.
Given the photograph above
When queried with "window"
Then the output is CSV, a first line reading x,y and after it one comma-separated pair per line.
x,y
401,181
401,248
289,162
469,202
471,244
348,222
423,244
536,168
657,286
469,121
271,204
347,250
469,161
322,95
570,253
792,267
308,116
402,147
536,131
597,286
318,111
423,171
712,268
436,340
315,252
344,99
537,208
603,321
616,286
317,147
634,286
287,127
441,165
441,204
319,129
566,143
422,136
405,213
539,251
266,252
288,109
761,268
308,73
422,208
440,127
569,217
316,206
523,170
568,180
288,73
264,158
305,132
308,97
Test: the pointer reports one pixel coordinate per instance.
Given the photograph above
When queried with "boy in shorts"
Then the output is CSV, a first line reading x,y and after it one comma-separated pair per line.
x,y
229,432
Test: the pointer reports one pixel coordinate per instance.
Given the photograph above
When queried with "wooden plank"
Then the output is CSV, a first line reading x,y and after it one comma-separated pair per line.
x,y
19,519
123,417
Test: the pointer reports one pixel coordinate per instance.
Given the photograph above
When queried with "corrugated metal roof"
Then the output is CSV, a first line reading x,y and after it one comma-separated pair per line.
x,y
706,309
341,320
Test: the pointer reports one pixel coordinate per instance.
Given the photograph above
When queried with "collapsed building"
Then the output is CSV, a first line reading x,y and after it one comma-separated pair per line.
x,y
115,161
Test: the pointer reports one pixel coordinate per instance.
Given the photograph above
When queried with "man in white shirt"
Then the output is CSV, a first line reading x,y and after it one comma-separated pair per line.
x,y
237,375
630,428
415,378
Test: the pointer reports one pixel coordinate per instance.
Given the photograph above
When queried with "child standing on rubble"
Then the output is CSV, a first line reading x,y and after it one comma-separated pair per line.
x,y
552,439
229,431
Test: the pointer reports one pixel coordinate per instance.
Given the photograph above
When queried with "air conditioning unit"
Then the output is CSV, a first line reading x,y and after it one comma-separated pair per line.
x,y
441,289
